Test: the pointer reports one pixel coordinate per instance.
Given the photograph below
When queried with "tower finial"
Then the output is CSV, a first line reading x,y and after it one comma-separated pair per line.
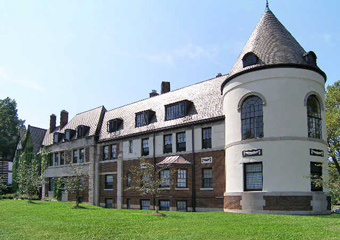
x,y
267,6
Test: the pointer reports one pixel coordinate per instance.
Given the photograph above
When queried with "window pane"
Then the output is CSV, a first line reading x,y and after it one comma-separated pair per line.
x,y
207,178
106,153
182,178
314,117
145,204
165,178
108,182
145,147
82,155
109,203
114,151
168,143
253,176
75,156
316,173
182,206
164,205
252,118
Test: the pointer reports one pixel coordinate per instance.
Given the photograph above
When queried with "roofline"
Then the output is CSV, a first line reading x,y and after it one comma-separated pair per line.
x,y
167,92
102,106
214,119
279,65
30,126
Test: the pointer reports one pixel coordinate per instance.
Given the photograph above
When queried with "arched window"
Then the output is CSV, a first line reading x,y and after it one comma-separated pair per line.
x,y
314,117
250,59
252,118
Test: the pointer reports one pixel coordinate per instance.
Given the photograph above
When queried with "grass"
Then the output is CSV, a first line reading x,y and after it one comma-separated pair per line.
x,y
56,220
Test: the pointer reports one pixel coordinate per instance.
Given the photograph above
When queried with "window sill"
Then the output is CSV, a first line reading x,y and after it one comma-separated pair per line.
x,y
108,189
182,189
108,161
207,189
164,189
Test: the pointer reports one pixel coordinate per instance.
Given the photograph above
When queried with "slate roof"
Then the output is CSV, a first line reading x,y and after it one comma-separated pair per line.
x,y
91,118
37,136
174,160
273,44
205,96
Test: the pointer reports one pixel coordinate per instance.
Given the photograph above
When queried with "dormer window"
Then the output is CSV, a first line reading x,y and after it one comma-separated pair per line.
x,y
177,110
250,59
144,118
82,130
115,125
69,134
310,58
57,137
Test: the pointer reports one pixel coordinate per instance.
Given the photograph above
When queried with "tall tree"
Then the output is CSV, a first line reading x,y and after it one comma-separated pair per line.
x,y
9,127
333,123
148,179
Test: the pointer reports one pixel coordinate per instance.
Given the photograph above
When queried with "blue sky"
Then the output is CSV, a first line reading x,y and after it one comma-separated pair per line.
x,y
78,55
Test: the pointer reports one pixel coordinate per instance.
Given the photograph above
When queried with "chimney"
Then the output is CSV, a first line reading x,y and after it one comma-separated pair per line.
x,y
165,87
63,118
153,93
53,120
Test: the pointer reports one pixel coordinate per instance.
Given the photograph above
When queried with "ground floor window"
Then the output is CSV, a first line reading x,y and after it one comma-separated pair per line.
x,y
164,205
182,206
253,177
51,184
128,203
108,203
145,204
316,173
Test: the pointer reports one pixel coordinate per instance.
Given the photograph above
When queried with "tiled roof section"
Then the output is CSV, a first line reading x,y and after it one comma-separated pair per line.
x,y
89,118
206,98
273,44
37,136
174,160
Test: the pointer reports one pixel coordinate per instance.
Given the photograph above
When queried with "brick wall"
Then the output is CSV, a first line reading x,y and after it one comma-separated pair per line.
x,y
288,203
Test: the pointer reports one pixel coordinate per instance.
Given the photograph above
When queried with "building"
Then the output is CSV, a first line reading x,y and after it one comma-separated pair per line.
x,y
242,142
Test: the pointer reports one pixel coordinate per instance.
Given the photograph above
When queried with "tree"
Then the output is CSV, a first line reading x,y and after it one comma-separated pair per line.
x,y
9,127
3,185
29,175
76,183
149,180
333,123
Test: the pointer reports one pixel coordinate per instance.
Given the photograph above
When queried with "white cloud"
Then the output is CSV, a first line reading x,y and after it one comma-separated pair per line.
x,y
24,83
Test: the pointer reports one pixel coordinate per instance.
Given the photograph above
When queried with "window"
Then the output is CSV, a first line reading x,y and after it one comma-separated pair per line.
x,y
144,118
253,178
145,180
310,58
128,203
181,178
252,118
105,152
145,147
250,59
168,143
316,173
50,156
128,179
50,184
55,137
75,156
314,117
114,151
81,155
181,142
206,137
69,134
115,125
207,178
108,203
177,110
164,205
108,182
130,146
164,176
62,158
145,204
82,130
56,159
182,206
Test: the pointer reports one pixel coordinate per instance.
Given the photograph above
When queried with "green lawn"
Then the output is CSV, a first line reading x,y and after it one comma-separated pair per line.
x,y
55,220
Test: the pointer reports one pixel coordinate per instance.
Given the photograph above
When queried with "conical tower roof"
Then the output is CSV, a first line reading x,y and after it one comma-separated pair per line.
x,y
273,45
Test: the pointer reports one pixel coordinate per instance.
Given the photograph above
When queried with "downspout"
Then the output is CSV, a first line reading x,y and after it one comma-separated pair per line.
x,y
193,202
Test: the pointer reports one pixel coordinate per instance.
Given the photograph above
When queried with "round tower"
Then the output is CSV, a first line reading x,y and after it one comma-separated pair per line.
x,y
273,101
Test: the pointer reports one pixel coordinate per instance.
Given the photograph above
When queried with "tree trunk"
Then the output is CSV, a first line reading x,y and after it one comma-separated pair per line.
x,y
77,198
336,164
